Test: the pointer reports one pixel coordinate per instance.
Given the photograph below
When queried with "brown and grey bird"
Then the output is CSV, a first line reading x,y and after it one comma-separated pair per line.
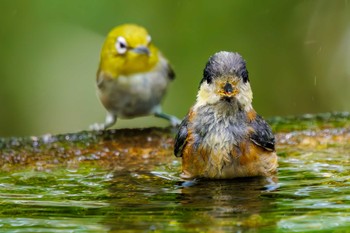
x,y
222,136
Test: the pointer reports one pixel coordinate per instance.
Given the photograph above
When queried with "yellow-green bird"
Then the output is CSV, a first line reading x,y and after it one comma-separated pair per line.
x,y
133,76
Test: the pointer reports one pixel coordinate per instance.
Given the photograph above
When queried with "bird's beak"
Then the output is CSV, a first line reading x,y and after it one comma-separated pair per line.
x,y
141,50
228,90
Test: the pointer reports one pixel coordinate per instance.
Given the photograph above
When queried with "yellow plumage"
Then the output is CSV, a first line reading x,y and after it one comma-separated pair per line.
x,y
130,62
133,76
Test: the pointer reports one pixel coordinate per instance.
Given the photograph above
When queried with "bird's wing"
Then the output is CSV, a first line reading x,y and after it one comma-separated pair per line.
x,y
170,71
181,138
262,135
167,68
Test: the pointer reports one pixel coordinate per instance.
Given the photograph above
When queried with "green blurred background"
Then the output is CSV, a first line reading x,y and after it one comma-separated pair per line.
x,y
297,52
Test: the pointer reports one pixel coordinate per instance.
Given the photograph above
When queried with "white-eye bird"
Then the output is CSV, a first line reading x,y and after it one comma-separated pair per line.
x,y
133,76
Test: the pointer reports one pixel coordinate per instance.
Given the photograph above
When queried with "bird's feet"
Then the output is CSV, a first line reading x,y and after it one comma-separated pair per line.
x,y
109,122
97,127
174,121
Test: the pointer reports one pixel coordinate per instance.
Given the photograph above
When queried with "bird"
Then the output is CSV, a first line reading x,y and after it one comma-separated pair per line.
x,y
222,136
132,77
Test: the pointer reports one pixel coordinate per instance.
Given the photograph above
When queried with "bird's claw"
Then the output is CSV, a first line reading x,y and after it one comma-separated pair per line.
x,y
174,121
97,127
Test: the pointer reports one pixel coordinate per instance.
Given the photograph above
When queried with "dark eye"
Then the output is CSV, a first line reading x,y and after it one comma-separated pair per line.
x,y
120,45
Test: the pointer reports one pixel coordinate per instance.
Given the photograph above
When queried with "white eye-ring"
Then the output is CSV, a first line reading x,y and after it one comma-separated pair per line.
x,y
149,39
120,45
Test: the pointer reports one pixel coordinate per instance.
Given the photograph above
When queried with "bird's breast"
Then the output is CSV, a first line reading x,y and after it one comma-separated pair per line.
x,y
133,95
218,139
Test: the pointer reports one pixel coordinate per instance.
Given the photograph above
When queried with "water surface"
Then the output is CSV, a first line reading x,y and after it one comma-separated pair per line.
x,y
128,181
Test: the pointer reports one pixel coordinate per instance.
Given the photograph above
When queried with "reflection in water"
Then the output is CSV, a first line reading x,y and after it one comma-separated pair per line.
x,y
231,204
236,196
151,201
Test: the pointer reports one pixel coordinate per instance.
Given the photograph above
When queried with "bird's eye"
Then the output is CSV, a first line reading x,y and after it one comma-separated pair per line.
x,y
149,39
120,45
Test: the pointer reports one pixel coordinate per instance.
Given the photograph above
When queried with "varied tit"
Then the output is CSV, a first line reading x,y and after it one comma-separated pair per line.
x,y
222,136
133,76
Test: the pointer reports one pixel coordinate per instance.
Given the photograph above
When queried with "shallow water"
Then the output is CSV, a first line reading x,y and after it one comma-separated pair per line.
x,y
123,181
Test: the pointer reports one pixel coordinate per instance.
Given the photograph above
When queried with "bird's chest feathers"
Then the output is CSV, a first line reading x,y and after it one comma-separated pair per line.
x,y
137,83
220,134
132,95
144,85
140,84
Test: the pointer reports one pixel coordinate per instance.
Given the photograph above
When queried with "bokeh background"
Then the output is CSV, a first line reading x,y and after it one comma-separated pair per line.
x,y
297,52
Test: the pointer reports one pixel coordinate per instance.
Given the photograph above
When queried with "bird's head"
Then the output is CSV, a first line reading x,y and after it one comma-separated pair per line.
x,y
225,79
128,49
